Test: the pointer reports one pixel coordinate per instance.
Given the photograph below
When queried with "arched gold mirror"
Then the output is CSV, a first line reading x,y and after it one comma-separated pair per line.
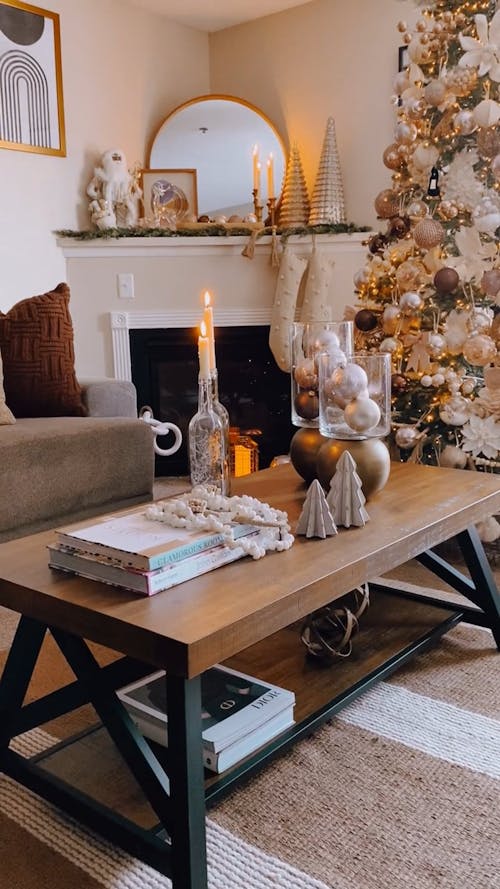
x,y
216,136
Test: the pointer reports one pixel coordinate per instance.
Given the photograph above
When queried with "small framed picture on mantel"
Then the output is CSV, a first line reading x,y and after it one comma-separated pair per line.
x,y
171,192
31,97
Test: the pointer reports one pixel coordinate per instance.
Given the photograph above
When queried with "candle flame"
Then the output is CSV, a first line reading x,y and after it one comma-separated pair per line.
x,y
255,150
207,297
203,328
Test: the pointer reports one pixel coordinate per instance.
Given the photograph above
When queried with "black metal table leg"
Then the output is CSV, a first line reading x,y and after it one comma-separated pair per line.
x,y
486,594
189,857
17,674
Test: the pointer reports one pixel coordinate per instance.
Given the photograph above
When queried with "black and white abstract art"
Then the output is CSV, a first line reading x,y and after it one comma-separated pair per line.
x,y
31,101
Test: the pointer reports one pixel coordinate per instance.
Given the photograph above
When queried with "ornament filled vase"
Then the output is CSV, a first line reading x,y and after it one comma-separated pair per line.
x,y
355,398
308,340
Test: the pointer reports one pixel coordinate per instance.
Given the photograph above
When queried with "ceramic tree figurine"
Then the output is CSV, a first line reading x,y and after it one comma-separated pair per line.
x,y
316,520
345,497
114,192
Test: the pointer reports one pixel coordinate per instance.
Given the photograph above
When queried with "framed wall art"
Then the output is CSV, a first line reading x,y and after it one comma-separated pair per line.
x,y
31,95
174,191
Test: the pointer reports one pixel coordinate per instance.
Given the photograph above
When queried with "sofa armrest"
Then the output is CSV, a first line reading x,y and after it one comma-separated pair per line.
x,y
109,397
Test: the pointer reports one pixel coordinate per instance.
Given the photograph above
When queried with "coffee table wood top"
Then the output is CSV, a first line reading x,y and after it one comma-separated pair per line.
x,y
192,626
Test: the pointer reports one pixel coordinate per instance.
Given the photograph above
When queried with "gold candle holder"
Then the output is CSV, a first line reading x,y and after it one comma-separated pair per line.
x,y
256,206
271,206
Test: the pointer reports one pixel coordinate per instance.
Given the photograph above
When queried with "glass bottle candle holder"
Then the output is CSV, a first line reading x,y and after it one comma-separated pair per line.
x,y
355,400
308,339
208,457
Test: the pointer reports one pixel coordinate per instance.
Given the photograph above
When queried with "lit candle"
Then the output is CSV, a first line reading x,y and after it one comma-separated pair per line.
x,y
256,168
208,317
203,352
259,167
270,177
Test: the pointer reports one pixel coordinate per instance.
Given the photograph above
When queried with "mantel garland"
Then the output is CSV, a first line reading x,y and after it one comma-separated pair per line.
x,y
210,230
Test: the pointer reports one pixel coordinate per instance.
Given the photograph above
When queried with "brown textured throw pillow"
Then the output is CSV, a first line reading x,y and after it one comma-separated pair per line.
x,y
6,415
36,339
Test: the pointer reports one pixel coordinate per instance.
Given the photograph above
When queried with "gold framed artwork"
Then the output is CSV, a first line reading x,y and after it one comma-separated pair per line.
x,y
169,192
31,95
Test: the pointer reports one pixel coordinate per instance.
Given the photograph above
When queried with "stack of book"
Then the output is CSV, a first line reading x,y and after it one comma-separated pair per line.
x,y
131,551
239,713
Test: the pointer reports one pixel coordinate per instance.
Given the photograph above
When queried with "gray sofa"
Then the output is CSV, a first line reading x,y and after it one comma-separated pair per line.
x,y
55,470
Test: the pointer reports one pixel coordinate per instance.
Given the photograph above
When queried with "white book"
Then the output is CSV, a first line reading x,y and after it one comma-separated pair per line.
x,y
233,704
219,762
147,583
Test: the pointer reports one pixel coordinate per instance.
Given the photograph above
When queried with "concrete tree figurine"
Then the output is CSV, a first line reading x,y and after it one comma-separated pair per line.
x,y
345,497
316,520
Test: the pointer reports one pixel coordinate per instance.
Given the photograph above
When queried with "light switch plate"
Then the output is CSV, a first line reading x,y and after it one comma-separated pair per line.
x,y
125,284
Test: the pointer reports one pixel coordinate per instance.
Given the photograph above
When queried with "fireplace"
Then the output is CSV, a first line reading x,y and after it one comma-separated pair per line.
x,y
164,368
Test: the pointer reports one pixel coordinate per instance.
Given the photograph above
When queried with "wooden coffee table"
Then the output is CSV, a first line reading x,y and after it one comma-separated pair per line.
x,y
247,613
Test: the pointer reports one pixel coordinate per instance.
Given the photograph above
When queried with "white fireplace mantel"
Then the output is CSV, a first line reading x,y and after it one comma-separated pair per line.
x,y
170,276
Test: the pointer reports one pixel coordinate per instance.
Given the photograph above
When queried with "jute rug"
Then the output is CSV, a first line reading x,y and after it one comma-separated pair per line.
x,y
402,789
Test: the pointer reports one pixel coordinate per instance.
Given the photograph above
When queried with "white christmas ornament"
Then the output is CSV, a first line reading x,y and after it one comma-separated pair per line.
x,y
482,436
362,414
349,381
487,113
425,156
486,215
455,411
460,182
483,53
474,255
453,458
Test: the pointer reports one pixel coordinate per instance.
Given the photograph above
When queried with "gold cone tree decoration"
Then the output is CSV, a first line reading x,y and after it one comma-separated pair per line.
x,y
294,209
327,202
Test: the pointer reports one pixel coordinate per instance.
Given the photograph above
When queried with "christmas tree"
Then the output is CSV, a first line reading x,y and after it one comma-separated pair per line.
x,y
429,292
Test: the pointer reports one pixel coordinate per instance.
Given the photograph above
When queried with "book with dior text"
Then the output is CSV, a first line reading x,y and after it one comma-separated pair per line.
x,y
148,583
234,704
225,759
132,540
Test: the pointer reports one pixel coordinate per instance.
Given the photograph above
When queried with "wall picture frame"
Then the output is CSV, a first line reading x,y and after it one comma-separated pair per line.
x,y
31,91
176,190
403,58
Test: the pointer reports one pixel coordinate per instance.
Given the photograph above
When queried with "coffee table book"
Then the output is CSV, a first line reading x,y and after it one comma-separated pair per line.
x,y
234,705
231,755
148,583
132,540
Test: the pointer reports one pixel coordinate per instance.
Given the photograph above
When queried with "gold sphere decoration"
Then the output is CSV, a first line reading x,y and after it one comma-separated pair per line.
x,y
304,448
373,463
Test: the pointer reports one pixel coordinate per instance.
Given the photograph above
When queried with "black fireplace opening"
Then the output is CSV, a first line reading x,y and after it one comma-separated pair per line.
x,y
255,392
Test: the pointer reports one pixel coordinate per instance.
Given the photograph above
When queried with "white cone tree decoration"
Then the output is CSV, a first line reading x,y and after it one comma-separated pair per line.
x,y
345,497
327,202
295,206
316,520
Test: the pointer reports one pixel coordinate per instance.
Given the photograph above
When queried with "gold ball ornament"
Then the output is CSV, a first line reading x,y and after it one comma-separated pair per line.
x,y
391,317
391,345
392,159
436,345
371,456
417,210
405,132
428,233
410,302
447,210
461,81
406,437
435,92
488,142
305,374
304,448
479,349
387,204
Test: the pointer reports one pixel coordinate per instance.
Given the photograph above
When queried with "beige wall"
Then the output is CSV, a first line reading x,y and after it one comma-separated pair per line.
x,y
121,77
325,58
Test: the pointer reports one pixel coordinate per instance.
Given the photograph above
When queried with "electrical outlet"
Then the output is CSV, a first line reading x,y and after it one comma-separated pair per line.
x,y
126,286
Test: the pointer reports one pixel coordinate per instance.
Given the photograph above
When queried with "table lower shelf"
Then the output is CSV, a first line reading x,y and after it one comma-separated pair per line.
x,y
392,631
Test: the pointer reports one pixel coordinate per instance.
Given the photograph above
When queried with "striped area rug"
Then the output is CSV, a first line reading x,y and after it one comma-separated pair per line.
x,y
402,789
